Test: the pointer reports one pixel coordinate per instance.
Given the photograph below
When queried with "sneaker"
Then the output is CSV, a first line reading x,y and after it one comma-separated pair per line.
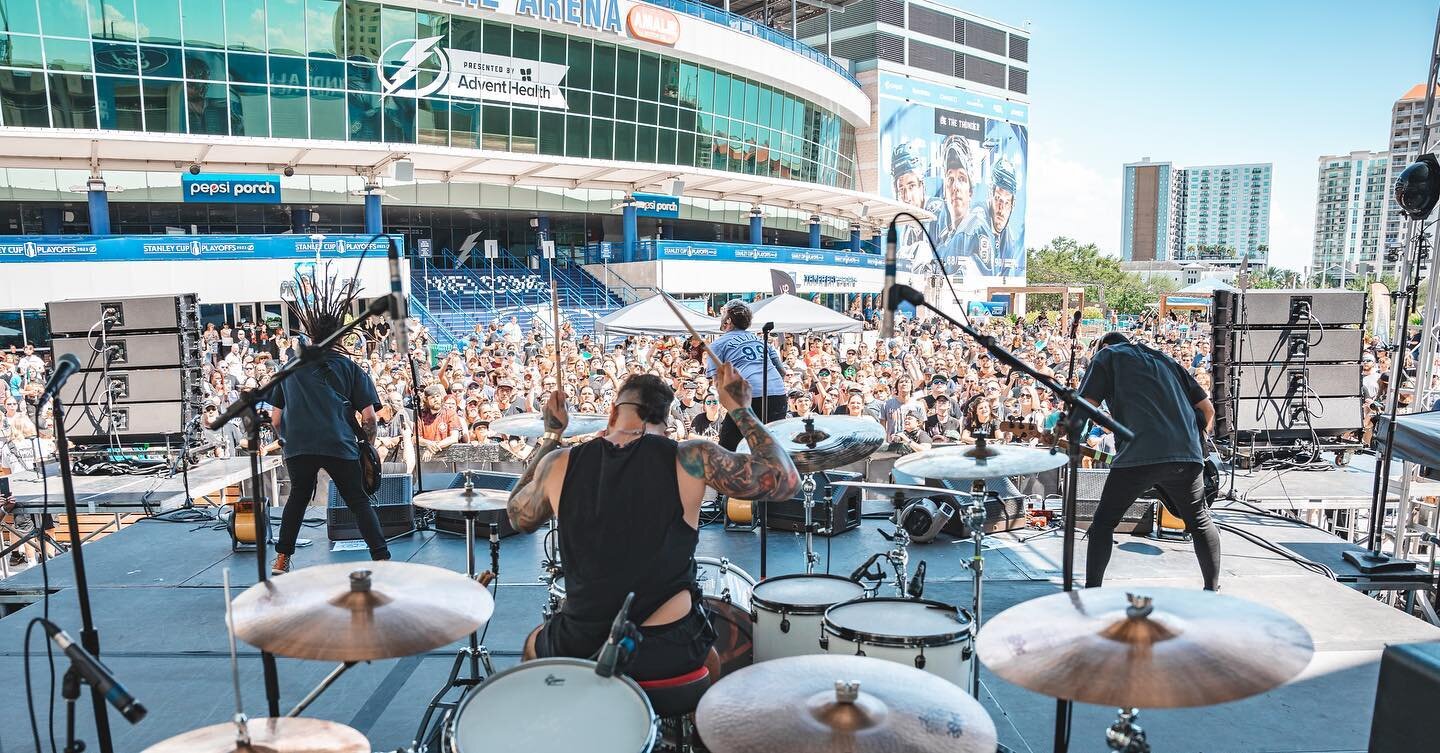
x,y
19,560
281,566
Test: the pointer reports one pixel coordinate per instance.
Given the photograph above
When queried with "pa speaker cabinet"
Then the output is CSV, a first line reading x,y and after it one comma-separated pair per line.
x,y
1295,414
126,351
1274,307
1279,379
1138,519
137,422
454,522
1290,346
836,510
132,386
393,504
133,314
1406,699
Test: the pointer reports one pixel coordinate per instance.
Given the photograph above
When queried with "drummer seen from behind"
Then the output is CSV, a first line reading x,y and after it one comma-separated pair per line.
x,y
743,350
634,495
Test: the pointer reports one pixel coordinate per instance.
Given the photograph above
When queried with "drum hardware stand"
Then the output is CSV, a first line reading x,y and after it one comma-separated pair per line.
x,y
1125,735
245,405
760,511
476,652
807,488
975,519
1077,411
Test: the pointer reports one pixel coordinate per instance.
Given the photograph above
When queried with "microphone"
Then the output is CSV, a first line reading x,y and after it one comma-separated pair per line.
x,y
398,308
1075,324
860,571
96,674
609,660
917,583
887,293
768,328
66,365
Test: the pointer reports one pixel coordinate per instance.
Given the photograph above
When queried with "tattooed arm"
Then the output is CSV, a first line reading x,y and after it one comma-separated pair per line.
x,y
765,473
531,503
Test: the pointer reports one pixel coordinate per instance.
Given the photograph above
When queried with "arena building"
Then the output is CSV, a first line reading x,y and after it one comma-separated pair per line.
x,y
612,145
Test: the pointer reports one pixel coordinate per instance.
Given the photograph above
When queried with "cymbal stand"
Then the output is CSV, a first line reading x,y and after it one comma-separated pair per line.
x,y
975,519
899,559
475,653
1125,735
807,488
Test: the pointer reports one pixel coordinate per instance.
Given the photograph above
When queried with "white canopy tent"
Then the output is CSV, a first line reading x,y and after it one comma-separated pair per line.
x,y
792,314
653,316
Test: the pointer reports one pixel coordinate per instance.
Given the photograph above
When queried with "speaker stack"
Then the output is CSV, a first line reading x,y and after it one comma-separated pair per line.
x,y
140,360
1286,364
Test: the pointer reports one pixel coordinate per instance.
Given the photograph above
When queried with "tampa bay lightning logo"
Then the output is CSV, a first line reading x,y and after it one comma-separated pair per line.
x,y
415,52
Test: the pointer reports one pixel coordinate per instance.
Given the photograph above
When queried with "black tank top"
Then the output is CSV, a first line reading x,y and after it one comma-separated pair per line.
x,y
623,529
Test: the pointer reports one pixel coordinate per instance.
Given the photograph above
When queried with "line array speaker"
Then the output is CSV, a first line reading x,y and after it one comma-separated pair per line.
x,y
1296,414
134,314
1274,307
1287,345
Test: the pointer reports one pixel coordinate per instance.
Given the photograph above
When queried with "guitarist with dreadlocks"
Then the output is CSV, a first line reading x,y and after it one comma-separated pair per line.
x,y
313,413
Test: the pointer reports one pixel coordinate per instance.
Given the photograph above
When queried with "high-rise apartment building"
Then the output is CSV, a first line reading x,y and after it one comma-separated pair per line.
x,y
1349,211
1146,229
1224,213
1407,120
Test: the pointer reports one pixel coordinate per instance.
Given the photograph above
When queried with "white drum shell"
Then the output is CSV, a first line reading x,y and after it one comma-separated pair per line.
x,y
804,620
945,655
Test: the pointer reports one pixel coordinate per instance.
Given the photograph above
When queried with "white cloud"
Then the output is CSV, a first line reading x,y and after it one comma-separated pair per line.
x,y
1067,197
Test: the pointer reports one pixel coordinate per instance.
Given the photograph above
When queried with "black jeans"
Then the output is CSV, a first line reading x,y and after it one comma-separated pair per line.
x,y
346,474
1182,485
778,406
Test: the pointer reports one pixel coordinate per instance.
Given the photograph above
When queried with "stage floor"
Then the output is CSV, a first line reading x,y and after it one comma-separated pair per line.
x,y
160,613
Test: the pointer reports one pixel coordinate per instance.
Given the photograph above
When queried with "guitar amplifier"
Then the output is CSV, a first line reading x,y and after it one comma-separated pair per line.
x,y
835,511
392,503
454,522
1139,519
1407,695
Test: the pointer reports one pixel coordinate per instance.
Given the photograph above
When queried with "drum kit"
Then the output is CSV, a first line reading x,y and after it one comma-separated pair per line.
x,y
819,661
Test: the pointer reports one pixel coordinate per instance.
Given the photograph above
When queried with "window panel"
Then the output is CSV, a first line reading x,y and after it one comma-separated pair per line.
x,y
285,22
603,74
22,99
669,80
67,54
20,15
433,121
602,138
495,127
665,150
526,43
161,62
752,102
625,109
432,25
552,49
113,57
648,113
164,106
465,124
645,137
112,19
362,31
66,19
21,52
721,103
289,112
552,132
579,102
72,101
119,103
249,111
625,141
285,71
204,23
627,71
686,149
208,66
649,77
206,108
466,34
323,31
497,39
524,130
577,136
364,116
399,119
360,77
327,115
396,24
327,74
602,105
247,69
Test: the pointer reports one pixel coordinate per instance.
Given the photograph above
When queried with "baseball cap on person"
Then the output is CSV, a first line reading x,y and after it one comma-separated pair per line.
x,y
503,383
1367,358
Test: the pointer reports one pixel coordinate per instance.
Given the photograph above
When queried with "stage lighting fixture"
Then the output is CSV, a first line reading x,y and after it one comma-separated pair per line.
x,y
1418,187
194,169
288,171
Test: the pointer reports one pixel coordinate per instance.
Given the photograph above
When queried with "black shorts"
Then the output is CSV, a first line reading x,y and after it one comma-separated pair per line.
x,y
665,651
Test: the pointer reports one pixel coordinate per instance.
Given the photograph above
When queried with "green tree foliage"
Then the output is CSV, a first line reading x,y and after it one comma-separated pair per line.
x,y
1068,262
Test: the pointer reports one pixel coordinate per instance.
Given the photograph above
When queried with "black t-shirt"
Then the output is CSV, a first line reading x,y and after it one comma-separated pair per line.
x,y
1153,396
313,405
702,425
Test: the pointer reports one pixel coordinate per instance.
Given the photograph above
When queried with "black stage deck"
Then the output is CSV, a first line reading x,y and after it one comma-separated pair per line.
x,y
159,610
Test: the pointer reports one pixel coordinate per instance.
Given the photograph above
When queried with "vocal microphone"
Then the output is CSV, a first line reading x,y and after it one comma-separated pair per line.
x,y
887,293
65,366
398,308
96,674
860,571
768,328
1075,324
917,583
608,661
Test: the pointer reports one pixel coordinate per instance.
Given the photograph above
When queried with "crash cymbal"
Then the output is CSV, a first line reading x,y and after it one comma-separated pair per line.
x,y
969,462
284,735
828,702
822,443
360,612
1155,648
464,500
531,425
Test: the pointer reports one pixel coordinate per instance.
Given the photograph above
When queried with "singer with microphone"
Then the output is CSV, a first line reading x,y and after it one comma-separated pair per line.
x,y
758,364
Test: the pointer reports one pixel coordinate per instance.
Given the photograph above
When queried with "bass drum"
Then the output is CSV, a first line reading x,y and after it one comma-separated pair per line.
x,y
788,611
554,705
928,635
725,591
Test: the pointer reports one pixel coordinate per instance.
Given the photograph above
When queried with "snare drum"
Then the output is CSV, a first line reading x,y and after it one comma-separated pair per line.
x,y
556,705
726,594
788,611
927,635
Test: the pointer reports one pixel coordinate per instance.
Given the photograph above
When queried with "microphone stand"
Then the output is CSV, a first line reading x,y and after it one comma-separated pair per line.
x,y
1077,412
246,406
89,638
763,513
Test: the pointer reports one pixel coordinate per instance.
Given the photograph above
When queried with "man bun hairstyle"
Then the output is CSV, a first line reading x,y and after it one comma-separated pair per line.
x,y
738,314
649,395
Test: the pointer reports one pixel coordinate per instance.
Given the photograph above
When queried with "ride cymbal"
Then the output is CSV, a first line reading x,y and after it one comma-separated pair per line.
x,y
1155,648
823,443
464,500
360,612
531,425
269,735
970,462
826,703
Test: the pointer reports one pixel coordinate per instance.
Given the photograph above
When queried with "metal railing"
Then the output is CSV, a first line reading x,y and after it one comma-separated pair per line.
x,y
756,29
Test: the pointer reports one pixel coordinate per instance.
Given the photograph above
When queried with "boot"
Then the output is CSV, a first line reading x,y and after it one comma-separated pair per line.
x,y
282,564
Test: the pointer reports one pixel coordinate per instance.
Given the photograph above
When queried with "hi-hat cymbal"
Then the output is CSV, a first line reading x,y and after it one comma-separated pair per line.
x,y
823,443
464,500
969,462
531,425
268,735
1157,648
360,612
828,702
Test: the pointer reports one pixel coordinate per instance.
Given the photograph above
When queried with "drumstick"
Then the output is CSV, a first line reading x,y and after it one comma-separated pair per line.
x,y
686,322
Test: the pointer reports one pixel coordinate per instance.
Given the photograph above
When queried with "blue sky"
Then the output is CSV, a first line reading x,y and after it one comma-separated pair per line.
x,y
1197,83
